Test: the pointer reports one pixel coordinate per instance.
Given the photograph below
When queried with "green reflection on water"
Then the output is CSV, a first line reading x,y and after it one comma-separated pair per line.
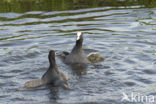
x,y
53,5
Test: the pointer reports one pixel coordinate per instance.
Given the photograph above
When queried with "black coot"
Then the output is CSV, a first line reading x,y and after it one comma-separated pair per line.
x,y
77,55
53,76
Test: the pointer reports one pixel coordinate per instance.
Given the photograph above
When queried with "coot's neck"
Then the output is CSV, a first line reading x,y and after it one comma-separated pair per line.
x,y
78,46
52,62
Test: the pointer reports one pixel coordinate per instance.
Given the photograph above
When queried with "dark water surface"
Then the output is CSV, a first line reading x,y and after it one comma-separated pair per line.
x,y
124,35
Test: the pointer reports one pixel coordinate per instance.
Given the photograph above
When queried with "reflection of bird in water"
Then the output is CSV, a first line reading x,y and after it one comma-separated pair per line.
x,y
77,55
53,92
53,76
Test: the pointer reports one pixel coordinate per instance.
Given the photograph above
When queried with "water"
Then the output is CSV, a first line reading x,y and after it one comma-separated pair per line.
x,y
124,35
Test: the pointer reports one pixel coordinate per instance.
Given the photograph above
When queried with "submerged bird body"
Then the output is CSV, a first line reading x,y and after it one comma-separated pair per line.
x,y
95,57
53,76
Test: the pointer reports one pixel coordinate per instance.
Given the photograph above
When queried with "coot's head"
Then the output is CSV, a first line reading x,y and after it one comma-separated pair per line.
x,y
79,38
52,58
51,53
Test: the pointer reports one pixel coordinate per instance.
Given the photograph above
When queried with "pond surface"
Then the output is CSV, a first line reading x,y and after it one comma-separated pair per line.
x,y
124,35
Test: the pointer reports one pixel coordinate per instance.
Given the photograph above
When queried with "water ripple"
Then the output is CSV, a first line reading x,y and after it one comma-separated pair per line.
x,y
124,36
